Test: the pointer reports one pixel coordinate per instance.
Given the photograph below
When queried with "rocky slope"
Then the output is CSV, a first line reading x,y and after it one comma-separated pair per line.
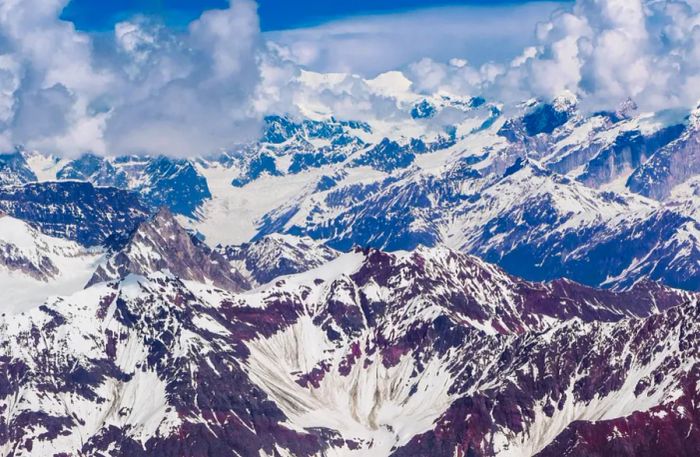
x,y
162,244
34,266
277,255
545,192
74,210
15,170
534,223
342,287
543,188
425,353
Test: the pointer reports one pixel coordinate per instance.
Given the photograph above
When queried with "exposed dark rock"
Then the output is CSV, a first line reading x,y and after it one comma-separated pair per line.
x,y
74,210
161,244
14,169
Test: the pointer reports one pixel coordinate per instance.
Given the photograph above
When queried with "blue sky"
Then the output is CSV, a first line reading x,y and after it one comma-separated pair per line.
x,y
94,15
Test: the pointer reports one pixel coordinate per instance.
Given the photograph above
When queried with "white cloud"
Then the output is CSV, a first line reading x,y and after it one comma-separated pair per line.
x,y
430,76
150,90
604,51
370,45
609,50
188,94
48,79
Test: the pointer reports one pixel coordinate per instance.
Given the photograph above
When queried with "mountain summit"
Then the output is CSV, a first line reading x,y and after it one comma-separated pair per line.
x,y
161,244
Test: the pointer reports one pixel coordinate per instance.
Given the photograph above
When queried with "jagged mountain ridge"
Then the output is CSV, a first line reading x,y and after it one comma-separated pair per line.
x,y
534,223
277,255
162,244
350,182
159,181
131,367
74,210
14,170
552,165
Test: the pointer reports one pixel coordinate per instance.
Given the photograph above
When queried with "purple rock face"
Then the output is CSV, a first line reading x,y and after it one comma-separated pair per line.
x,y
541,383
424,353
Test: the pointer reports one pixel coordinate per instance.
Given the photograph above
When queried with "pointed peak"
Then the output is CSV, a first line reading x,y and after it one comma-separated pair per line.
x,y
163,215
161,243
626,109
526,163
566,101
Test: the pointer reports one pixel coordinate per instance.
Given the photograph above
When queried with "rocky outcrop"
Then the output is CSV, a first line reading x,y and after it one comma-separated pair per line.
x,y
277,255
670,166
159,181
74,210
94,169
14,169
161,244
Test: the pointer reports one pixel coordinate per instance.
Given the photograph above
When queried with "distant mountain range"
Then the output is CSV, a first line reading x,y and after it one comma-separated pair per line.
x,y
545,191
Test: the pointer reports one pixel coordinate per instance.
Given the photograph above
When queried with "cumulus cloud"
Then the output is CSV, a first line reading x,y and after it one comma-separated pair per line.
x,y
604,51
386,101
288,89
149,90
47,76
454,77
189,94
609,50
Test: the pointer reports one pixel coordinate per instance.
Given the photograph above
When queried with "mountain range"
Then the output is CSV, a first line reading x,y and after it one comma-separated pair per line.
x,y
459,278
